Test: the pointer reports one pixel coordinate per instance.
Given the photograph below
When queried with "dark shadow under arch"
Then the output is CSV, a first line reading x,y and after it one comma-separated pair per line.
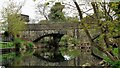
x,y
54,35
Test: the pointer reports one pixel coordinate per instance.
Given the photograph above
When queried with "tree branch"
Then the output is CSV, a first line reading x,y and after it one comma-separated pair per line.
x,y
96,37
69,5
103,5
98,57
79,10
89,15
87,32
116,37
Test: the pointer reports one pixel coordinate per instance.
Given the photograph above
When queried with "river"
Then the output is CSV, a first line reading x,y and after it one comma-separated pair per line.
x,y
44,57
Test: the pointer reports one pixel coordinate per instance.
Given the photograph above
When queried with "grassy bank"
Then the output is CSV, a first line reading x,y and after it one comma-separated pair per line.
x,y
12,44
6,45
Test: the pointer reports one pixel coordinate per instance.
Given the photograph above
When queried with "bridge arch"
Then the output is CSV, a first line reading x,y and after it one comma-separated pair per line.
x,y
54,35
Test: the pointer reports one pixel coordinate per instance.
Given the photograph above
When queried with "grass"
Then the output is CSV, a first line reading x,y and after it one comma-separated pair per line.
x,y
12,43
6,45
7,56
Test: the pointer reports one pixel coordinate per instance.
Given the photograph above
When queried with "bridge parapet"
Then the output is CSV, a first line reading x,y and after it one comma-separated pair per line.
x,y
55,26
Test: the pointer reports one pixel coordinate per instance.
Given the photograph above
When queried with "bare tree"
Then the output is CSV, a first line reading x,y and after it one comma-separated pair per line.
x,y
43,9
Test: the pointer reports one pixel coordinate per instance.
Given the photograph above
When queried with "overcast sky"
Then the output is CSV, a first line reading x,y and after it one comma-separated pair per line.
x,y
29,7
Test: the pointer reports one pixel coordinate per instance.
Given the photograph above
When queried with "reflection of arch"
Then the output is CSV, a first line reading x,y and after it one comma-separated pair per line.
x,y
60,59
54,35
53,45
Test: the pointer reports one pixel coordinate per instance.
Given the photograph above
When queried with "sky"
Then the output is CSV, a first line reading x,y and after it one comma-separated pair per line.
x,y
29,7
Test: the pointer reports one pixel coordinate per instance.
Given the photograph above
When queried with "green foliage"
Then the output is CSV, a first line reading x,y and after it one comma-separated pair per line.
x,y
23,43
13,21
91,19
115,51
56,14
67,40
72,19
8,56
70,52
26,53
108,60
100,40
112,27
115,7
115,64
7,45
73,53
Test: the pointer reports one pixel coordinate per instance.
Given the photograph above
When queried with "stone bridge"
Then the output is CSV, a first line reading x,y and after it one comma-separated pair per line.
x,y
35,31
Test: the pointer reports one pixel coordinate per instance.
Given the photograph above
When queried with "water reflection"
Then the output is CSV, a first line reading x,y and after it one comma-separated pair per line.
x,y
50,48
59,55
50,53
44,56
39,57
51,56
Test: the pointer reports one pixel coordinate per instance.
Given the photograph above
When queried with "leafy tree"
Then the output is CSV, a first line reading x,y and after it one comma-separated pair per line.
x,y
12,18
13,21
56,14
106,27
115,6
72,19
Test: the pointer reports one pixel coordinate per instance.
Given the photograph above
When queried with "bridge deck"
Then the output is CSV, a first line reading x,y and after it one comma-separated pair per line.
x,y
51,26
